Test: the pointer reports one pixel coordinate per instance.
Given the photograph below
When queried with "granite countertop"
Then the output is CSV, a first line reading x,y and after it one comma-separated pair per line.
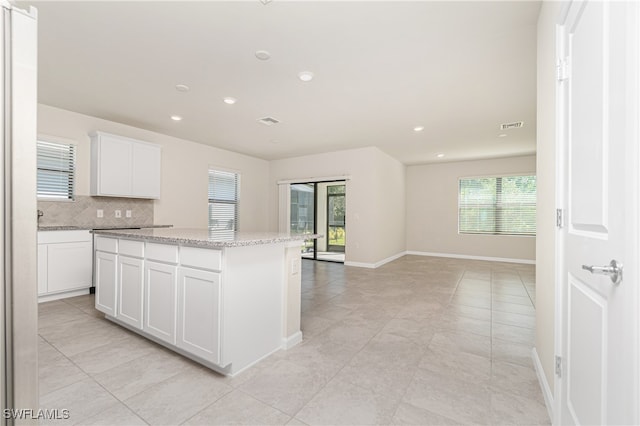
x,y
203,237
95,227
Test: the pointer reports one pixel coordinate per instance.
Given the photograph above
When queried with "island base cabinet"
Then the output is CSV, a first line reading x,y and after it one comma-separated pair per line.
x,y
130,288
199,313
160,300
106,267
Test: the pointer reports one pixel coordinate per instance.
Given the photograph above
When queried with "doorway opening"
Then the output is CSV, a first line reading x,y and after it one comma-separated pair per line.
x,y
320,208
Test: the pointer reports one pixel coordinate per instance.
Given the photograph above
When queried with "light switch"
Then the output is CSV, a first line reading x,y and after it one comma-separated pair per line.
x,y
100,213
127,213
118,213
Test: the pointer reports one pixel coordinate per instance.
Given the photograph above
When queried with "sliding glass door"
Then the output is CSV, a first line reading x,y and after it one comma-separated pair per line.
x,y
303,214
336,232
320,207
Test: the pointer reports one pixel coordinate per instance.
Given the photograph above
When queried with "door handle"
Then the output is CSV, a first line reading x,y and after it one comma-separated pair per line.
x,y
614,270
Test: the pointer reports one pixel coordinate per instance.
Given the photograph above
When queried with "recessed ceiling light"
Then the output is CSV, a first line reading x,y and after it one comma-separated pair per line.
x,y
229,100
418,128
182,88
176,118
305,76
502,135
263,55
440,155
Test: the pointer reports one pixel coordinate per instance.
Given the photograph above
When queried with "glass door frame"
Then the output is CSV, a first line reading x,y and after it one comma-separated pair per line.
x,y
314,184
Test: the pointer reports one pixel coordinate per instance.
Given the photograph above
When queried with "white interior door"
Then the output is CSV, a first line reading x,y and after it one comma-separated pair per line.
x,y
598,121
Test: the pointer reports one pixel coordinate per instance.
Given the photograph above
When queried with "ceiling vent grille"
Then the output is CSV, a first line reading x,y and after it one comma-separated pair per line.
x,y
268,121
514,125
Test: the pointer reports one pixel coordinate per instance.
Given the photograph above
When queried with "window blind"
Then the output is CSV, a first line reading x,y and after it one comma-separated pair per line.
x,y
504,205
56,170
223,202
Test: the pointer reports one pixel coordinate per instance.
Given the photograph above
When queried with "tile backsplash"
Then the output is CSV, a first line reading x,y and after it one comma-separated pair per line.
x,y
83,212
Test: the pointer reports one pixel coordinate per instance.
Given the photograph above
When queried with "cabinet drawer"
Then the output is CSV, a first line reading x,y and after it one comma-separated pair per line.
x,y
162,253
109,245
131,248
48,237
201,258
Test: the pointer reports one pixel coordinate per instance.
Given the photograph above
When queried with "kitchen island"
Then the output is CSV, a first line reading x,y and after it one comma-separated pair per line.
x,y
225,301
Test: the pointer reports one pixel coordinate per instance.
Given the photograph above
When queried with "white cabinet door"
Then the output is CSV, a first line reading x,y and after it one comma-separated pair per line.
x,y
68,266
160,298
115,166
146,170
124,167
199,313
130,290
106,276
42,269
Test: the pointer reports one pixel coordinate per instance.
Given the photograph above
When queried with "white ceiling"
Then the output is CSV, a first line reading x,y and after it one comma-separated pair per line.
x,y
459,69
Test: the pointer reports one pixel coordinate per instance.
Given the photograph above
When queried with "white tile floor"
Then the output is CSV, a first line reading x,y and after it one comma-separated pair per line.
x,y
418,341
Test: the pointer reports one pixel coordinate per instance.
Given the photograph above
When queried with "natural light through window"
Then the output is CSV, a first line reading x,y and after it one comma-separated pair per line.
x,y
223,202
56,171
498,205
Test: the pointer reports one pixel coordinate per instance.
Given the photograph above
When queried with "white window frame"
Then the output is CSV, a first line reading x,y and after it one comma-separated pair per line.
x,y
235,202
73,148
496,206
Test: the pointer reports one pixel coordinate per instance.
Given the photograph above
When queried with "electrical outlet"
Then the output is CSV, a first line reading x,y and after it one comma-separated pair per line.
x,y
118,213
295,266
100,213
127,213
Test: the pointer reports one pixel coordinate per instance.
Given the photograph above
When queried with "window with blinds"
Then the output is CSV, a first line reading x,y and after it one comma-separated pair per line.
x,y
504,205
223,202
56,171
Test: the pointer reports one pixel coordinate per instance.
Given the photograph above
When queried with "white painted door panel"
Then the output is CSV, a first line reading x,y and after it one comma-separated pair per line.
x,y
42,269
130,290
160,295
199,313
599,183
106,282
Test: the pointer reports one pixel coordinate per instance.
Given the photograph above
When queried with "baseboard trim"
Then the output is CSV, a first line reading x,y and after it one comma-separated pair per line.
x,y
291,341
544,385
377,264
63,295
470,257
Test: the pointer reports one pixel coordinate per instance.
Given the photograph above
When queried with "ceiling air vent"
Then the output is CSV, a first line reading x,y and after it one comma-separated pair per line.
x,y
268,121
514,125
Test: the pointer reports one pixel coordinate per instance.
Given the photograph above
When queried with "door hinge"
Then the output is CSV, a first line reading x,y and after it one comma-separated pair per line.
x,y
558,366
562,69
559,218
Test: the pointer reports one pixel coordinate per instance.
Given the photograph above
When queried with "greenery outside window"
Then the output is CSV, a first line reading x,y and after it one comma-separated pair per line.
x,y
56,171
502,205
223,202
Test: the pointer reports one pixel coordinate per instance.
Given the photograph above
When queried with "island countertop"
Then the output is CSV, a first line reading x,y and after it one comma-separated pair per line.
x,y
198,237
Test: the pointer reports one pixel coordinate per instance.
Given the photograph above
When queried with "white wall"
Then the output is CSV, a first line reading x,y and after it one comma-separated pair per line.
x,y
375,207
183,201
546,155
432,210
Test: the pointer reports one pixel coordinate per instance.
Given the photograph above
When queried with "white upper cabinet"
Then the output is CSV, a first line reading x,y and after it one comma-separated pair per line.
x,y
124,167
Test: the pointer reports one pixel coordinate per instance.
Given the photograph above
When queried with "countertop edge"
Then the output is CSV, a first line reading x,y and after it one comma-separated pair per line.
x,y
92,228
202,243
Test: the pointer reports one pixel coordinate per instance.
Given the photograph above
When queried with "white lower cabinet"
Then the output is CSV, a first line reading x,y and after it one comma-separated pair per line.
x,y
199,313
106,274
130,290
64,263
160,282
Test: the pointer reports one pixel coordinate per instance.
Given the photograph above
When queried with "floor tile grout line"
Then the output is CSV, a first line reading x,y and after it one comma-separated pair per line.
x,y
90,376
